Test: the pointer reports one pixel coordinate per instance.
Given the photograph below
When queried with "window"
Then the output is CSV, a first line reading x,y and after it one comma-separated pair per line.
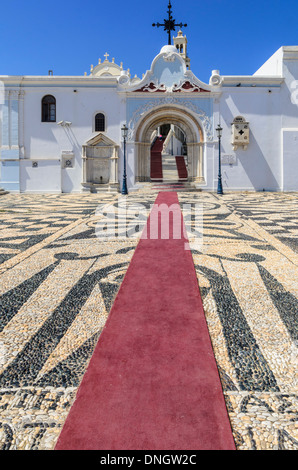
x,y
48,109
100,122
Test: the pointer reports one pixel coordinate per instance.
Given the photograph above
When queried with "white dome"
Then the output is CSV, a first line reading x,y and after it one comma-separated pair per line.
x,y
168,49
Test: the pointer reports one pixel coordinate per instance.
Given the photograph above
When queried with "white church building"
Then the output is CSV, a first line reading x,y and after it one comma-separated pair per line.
x,y
64,133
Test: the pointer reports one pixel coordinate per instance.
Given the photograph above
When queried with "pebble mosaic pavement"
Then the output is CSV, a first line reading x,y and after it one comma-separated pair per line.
x,y
58,281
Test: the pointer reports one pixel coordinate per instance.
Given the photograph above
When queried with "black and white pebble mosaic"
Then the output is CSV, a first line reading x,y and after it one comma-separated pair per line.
x,y
59,281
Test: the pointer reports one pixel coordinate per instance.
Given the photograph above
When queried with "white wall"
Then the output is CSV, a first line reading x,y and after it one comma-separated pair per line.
x,y
289,93
290,159
258,167
273,66
45,140
46,177
289,132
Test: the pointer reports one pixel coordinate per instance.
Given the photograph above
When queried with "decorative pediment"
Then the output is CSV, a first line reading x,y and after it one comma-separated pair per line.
x,y
100,140
106,68
168,73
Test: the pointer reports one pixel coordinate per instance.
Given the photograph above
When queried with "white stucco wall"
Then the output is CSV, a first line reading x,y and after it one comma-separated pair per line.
x,y
289,123
272,66
48,140
45,177
290,159
257,167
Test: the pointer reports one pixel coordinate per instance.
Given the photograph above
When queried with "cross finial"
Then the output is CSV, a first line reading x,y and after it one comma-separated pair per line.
x,y
106,55
169,24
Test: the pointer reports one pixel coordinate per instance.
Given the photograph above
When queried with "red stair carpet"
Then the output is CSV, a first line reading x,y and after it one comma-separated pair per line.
x,y
156,160
181,168
152,382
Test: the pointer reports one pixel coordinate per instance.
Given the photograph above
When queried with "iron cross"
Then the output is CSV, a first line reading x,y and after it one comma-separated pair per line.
x,y
169,24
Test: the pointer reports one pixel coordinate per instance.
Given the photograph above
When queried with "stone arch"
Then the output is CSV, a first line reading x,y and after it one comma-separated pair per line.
x,y
183,119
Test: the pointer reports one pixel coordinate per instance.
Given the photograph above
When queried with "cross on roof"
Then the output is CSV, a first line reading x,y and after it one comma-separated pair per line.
x,y
106,55
169,24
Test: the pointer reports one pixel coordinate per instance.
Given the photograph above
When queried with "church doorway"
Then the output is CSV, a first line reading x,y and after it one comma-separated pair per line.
x,y
168,157
169,147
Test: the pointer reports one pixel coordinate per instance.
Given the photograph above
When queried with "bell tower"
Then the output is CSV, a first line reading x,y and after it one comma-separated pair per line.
x,y
180,42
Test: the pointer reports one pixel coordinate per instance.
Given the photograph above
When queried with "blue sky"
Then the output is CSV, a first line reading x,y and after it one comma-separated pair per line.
x,y
67,36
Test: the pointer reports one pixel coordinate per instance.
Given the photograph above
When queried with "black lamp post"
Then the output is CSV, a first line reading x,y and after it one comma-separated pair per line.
x,y
219,183
124,130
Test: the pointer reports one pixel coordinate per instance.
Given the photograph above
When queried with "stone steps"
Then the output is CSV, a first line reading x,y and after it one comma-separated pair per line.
x,y
169,168
176,186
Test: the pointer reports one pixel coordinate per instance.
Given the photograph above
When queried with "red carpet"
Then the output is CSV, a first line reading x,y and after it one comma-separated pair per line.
x,y
152,382
156,160
181,167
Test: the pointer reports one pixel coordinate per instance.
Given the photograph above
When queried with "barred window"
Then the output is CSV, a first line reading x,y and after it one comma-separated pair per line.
x,y
48,109
100,122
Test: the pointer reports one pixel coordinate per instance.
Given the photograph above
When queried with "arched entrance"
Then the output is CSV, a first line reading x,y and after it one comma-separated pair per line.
x,y
163,119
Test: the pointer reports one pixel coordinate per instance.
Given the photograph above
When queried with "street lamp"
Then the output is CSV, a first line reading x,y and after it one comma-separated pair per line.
x,y
219,183
124,130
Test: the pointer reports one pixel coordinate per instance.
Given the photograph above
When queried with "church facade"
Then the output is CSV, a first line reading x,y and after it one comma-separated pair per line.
x,y
64,133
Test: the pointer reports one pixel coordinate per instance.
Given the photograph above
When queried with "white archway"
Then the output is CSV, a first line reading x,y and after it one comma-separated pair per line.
x,y
194,140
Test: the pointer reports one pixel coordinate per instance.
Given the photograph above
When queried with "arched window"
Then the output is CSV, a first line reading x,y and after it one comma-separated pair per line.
x,y
48,109
100,125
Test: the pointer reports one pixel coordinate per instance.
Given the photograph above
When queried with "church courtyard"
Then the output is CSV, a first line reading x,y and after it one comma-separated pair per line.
x,y
61,268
